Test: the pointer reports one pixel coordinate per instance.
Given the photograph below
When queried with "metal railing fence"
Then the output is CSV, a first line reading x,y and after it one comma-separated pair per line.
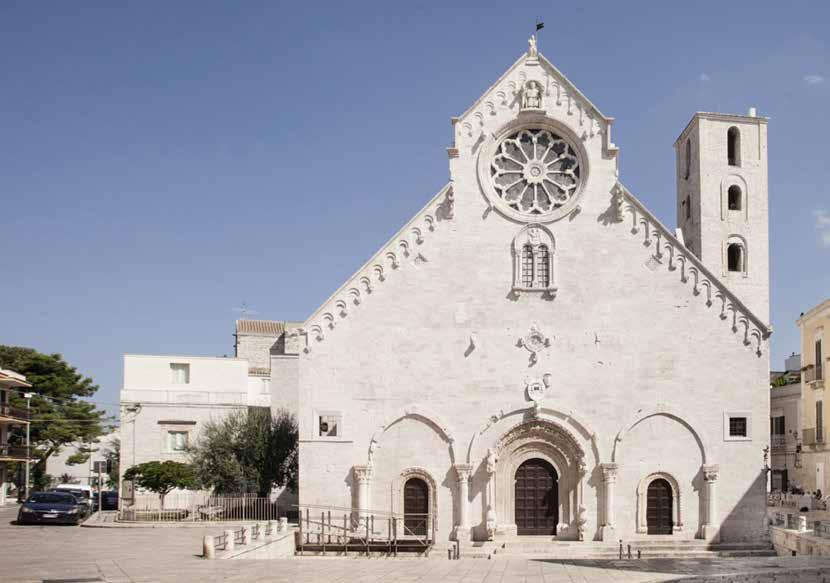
x,y
341,529
199,507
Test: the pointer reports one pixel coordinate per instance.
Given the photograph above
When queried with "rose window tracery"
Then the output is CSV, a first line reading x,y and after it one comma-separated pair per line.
x,y
535,171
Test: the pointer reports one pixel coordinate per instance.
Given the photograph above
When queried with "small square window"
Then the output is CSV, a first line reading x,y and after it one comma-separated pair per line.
x,y
180,373
328,425
737,427
177,440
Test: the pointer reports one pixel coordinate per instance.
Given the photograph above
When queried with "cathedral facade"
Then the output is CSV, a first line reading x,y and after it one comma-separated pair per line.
x,y
534,353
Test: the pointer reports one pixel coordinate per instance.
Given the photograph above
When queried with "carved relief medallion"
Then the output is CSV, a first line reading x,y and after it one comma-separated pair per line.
x,y
534,341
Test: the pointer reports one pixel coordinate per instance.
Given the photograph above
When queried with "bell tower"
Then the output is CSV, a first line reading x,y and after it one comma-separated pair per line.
x,y
722,201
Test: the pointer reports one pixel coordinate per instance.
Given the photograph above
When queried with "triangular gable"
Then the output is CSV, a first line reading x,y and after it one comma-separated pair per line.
x,y
551,69
667,249
499,103
400,250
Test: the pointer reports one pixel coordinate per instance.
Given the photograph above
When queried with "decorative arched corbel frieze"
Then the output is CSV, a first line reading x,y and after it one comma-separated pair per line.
x,y
691,266
386,260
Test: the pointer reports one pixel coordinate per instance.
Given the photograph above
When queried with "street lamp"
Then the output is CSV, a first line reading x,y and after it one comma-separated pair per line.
x,y
28,397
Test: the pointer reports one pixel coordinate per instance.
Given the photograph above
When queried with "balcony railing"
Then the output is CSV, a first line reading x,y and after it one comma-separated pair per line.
x,y
813,373
13,451
7,410
778,441
809,436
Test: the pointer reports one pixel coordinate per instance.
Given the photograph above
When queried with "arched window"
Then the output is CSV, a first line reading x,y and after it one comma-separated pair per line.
x,y
733,146
688,158
734,201
543,266
735,257
533,250
527,266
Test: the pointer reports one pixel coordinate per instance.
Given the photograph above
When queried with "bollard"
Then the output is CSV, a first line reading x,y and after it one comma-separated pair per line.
x,y
449,553
208,548
283,524
270,528
230,540
246,535
638,553
629,551
802,523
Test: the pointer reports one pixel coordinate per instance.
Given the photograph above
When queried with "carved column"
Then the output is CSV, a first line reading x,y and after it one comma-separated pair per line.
x,y
363,477
709,528
581,518
609,480
463,473
490,519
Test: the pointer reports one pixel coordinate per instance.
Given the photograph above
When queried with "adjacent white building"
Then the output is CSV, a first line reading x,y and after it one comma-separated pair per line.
x,y
58,466
786,423
166,400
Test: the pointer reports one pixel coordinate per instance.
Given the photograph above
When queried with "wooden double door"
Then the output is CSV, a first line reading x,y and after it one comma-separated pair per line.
x,y
415,506
659,507
536,498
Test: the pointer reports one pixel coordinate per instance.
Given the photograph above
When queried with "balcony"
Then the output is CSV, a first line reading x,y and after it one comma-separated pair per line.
x,y
13,414
13,452
811,437
813,373
778,441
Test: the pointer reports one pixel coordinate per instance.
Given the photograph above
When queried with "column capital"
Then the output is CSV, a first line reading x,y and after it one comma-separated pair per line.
x,y
710,472
463,471
363,474
609,472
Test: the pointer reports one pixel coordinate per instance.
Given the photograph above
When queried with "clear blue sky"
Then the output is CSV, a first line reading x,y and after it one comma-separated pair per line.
x,y
162,162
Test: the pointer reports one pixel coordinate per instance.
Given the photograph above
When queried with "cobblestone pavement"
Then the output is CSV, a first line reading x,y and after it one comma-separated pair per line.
x,y
64,554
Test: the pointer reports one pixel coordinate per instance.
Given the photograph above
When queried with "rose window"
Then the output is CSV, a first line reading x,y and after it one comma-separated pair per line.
x,y
535,171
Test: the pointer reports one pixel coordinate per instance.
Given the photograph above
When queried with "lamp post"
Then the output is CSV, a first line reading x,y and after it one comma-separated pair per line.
x,y
28,397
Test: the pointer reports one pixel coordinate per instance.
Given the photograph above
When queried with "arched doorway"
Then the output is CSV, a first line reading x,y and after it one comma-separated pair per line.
x,y
536,498
659,505
415,506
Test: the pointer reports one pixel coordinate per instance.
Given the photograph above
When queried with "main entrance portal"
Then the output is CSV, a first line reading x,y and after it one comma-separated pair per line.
x,y
537,498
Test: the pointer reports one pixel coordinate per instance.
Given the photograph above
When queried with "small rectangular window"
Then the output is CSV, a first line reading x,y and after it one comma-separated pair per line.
x,y
177,440
180,373
777,425
328,425
737,427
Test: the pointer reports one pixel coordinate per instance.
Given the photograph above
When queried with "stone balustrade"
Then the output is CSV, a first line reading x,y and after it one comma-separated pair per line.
x,y
252,536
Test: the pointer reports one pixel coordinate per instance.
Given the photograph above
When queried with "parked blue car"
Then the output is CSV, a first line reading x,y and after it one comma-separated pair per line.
x,y
50,508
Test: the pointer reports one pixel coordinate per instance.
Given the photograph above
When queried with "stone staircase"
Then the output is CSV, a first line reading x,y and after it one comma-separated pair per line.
x,y
597,550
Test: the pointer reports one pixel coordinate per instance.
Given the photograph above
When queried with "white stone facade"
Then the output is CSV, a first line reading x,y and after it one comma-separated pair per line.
x,y
573,329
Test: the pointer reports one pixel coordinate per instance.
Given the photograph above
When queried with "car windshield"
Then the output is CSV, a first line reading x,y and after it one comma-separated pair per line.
x,y
52,498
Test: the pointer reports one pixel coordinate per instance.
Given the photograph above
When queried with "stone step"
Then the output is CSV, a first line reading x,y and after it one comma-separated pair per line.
x,y
649,549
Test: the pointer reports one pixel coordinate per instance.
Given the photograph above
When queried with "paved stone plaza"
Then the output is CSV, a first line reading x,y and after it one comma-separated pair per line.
x,y
36,553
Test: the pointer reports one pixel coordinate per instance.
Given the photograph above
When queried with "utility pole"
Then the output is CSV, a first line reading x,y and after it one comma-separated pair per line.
x,y
28,397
